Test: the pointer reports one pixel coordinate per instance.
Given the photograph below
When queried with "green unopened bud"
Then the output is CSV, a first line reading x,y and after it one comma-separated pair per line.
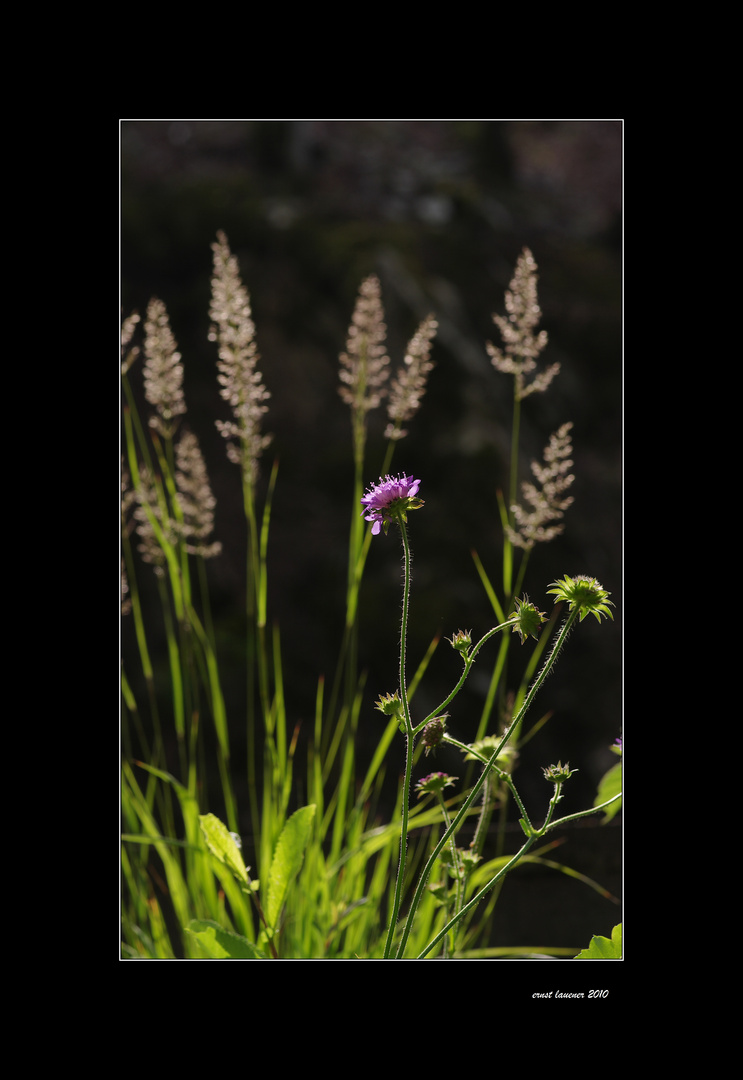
x,y
390,704
559,773
470,859
465,862
529,619
461,641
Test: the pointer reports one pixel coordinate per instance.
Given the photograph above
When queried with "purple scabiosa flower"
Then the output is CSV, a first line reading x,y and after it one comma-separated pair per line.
x,y
392,495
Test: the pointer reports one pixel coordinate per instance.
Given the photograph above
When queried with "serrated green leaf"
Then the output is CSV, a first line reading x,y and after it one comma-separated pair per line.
x,y
609,786
604,948
221,944
287,859
220,842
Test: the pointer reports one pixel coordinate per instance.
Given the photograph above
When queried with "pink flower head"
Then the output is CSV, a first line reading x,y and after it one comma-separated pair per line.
x,y
392,495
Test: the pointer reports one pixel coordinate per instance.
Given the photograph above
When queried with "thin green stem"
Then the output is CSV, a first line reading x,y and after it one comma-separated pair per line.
x,y
457,865
507,546
501,775
468,662
536,686
409,744
476,898
549,825
536,835
404,626
556,796
495,681
522,572
403,847
346,674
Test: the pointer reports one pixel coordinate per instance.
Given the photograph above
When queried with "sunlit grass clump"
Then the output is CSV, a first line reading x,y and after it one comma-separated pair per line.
x,y
336,873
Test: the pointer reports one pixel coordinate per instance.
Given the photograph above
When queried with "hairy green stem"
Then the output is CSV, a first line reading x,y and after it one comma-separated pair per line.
x,y
404,626
500,773
536,686
468,662
477,898
457,865
409,743
556,796
509,865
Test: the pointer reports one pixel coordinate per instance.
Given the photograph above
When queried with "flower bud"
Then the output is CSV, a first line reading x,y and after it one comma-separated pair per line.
x,y
559,773
529,619
461,641
390,704
434,783
433,733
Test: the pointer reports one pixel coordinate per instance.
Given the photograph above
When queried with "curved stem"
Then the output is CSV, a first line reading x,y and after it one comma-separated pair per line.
x,y
477,897
556,796
500,773
536,686
469,661
504,870
548,826
456,864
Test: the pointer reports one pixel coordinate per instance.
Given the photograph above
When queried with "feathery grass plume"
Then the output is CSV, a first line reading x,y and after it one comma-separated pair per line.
x,y
409,384
547,501
192,521
147,497
522,346
126,604
365,364
163,370
195,497
128,327
128,500
242,386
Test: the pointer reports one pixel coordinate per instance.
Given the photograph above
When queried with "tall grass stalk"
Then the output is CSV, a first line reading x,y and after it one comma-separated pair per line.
x,y
336,872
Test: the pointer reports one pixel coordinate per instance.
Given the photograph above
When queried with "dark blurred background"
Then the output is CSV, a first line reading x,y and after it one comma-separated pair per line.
x,y
439,210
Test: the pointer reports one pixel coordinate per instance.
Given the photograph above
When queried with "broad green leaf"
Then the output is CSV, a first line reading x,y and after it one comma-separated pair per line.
x,y
221,944
287,859
609,786
222,844
603,948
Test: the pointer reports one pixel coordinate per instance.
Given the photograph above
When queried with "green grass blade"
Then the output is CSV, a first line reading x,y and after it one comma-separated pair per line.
x,y
492,596
176,882
422,667
262,584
